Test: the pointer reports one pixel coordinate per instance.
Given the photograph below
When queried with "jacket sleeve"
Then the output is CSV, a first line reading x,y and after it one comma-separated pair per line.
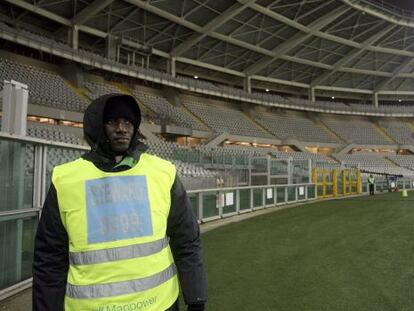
x,y
51,258
184,233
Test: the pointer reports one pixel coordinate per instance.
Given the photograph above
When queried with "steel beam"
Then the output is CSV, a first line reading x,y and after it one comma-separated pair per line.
x,y
350,56
211,26
296,40
324,35
42,12
90,11
409,62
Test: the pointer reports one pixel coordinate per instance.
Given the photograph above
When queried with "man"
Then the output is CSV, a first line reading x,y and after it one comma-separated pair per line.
x,y
117,231
371,184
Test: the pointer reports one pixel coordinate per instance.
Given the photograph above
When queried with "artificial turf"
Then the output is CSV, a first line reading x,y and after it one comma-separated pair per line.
x,y
350,254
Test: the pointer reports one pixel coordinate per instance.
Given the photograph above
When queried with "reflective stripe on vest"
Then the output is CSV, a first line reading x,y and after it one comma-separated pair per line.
x,y
117,253
120,288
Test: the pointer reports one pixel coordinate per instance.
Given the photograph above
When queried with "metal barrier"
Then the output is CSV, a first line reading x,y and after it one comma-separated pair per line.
x,y
212,204
332,183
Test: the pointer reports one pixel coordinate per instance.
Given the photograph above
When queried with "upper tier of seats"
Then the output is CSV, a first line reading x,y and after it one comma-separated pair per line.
x,y
403,160
400,131
222,117
375,163
357,131
46,88
167,113
294,127
97,89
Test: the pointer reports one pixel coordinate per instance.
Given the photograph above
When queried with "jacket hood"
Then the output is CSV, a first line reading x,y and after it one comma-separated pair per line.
x,y
93,123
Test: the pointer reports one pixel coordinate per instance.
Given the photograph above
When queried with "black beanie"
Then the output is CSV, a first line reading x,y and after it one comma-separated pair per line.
x,y
119,107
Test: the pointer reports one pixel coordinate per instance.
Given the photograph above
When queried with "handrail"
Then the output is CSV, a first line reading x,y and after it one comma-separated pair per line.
x,y
41,141
247,187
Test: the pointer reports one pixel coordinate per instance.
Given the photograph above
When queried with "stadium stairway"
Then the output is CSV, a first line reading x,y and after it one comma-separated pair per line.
x,y
330,131
411,126
248,116
195,117
383,133
122,88
145,110
397,164
392,162
79,91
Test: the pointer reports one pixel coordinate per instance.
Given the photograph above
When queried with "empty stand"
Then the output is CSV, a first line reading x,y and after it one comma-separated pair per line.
x,y
46,88
376,163
167,113
224,118
400,131
406,161
294,127
97,89
55,133
357,131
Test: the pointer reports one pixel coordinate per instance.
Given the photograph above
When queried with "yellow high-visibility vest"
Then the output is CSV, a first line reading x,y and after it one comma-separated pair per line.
x,y
119,256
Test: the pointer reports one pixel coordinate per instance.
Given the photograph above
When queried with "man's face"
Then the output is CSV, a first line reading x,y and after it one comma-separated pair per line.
x,y
119,133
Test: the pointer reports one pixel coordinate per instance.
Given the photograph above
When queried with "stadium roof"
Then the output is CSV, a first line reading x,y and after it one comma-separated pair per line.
x,y
359,46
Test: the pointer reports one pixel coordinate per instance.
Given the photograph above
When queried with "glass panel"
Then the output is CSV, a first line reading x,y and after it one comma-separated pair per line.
x,y
281,195
354,187
244,199
242,160
300,171
194,203
311,192
257,197
228,159
16,178
279,167
210,206
259,180
364,187
269,195
259,165
329,190
320,191
291,193
279,172
229,205
242,176
339,183
279,180
56,156
16,248
207,158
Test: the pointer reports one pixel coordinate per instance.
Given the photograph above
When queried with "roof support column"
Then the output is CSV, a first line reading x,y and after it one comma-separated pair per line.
x,y
171,66
375,99
312,94
73,36
248,84
111,48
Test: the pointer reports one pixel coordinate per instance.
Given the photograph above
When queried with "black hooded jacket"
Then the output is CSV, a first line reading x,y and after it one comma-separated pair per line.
x,y
51,254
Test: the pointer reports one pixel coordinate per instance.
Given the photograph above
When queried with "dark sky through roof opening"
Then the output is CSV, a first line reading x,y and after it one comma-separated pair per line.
x,y
402,4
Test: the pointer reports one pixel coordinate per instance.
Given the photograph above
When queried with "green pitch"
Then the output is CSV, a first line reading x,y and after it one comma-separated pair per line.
x,y
352,254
